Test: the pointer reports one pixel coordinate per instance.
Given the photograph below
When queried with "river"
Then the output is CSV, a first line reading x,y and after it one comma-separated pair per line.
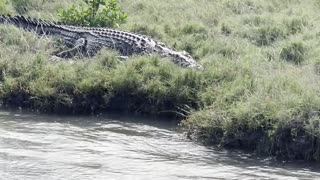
x,y
44,147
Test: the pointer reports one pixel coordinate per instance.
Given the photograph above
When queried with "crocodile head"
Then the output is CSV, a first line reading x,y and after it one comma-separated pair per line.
x,y
183,58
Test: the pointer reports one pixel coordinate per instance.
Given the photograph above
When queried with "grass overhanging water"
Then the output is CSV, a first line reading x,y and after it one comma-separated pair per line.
x,y
259,90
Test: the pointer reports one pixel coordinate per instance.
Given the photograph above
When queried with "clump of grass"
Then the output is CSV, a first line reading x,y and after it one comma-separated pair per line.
x,y
5,8
146,30
265,36
155,86
193,29
23,6
294,52
225,29
241,7
295,25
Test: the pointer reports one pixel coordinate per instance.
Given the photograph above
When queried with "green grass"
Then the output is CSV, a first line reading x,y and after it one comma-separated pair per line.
x,y
259,90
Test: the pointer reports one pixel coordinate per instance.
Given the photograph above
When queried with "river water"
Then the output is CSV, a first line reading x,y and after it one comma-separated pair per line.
x,y
44,147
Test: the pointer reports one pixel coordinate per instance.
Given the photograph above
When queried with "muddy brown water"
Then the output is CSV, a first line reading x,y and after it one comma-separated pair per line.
x,y
44,147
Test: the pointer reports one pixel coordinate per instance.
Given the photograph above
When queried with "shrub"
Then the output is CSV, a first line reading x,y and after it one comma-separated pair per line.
x,y
96,13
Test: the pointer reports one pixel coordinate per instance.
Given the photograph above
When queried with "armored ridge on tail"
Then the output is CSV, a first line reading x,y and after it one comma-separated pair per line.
x,y
90,40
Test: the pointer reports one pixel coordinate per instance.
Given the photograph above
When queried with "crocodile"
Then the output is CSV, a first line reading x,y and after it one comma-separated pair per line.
x,y
90,40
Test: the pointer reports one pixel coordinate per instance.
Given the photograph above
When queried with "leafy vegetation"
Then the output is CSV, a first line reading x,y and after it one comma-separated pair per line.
x,y
259,89
96,13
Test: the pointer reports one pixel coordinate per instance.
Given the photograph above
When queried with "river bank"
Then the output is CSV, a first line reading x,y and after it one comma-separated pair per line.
x,y
259,89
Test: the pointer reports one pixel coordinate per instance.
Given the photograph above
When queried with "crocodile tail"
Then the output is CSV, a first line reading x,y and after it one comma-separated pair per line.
x,y
30,24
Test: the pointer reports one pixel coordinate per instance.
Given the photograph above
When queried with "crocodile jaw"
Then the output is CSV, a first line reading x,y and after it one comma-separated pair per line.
x,y
181,58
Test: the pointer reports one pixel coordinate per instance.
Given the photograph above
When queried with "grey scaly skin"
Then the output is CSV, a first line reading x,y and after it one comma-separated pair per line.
x,y
90,40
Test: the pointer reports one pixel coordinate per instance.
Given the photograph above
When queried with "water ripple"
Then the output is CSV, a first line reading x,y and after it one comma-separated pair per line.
x,y
53,147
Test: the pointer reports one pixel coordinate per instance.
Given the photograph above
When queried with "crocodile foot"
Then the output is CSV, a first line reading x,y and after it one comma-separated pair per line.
x,y
55,59
122,58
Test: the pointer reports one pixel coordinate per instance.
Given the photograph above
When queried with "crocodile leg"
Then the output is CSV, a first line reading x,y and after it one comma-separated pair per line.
x,y
55,58
79,46
121,59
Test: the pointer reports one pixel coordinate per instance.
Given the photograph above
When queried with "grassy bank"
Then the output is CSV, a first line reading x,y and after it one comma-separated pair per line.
x,y
142,85
259,90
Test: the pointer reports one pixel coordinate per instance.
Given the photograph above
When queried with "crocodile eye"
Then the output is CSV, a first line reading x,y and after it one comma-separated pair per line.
x,y
161,44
